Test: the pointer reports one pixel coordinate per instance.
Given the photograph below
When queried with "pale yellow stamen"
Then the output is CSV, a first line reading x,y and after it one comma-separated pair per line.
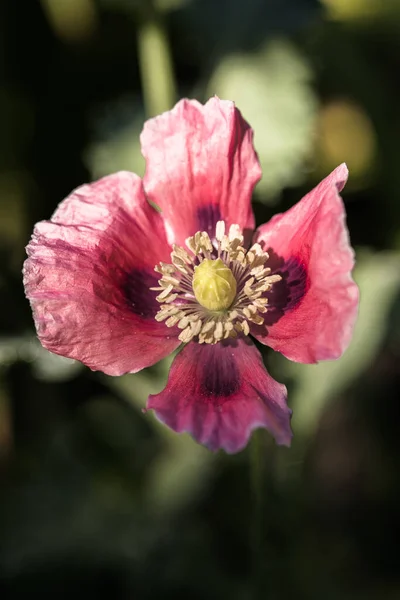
x,y
216,290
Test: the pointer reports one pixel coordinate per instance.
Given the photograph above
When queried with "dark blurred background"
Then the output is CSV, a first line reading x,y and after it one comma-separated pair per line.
x,y
96,498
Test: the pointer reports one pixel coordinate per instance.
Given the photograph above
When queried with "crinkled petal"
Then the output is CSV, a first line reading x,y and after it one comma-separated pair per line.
x,y
88,276
314,308
200,167
220,393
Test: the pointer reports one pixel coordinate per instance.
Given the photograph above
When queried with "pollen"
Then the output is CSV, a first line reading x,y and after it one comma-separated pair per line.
x,y
216,288
214,285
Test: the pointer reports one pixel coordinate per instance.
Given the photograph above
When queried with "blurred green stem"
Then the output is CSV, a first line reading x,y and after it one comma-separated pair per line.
x,y
6,440
156,66
257,473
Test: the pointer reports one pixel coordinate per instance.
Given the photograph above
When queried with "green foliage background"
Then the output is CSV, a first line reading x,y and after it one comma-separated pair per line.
x,y
95,497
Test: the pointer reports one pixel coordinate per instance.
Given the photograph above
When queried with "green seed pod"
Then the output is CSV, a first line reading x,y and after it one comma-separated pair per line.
x,y
214,285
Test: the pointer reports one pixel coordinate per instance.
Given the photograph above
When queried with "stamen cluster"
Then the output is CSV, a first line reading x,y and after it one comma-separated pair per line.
x,y
179,306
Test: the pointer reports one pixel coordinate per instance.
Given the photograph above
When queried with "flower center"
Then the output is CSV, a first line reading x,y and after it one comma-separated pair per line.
x,y
216,289
213,284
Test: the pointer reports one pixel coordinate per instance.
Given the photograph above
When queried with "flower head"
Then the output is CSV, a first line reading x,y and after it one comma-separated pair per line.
x,y
117,285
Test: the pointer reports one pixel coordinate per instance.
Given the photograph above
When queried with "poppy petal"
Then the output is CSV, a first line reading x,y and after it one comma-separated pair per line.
x,y
220,393
88,276
201,167
314,307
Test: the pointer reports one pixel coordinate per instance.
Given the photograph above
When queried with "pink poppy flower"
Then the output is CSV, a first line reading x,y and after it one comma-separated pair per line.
x,y
92,270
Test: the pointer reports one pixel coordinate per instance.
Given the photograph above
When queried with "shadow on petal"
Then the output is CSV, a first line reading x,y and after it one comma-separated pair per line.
x,y
136,288
285,294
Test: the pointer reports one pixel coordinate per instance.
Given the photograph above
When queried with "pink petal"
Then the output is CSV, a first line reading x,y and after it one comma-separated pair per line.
x,y
220,393
200,167
88,276
314,308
